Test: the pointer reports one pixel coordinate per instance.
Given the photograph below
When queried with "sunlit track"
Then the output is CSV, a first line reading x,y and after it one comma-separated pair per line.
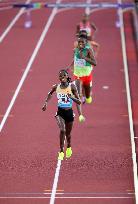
x,y
101,168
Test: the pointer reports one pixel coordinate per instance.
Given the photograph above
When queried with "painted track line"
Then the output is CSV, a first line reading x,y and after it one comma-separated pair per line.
x,y
46,28
69,197
54,188
129,103
13,22
115,194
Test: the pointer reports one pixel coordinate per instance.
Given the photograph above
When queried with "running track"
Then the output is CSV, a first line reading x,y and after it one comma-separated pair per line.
x,y
101,168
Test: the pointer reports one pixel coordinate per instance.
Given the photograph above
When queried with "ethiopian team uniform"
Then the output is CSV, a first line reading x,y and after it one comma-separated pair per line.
x,y
82,68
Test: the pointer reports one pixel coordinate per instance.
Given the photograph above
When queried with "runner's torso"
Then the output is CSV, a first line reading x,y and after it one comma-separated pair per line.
x,y
87,28
81,66
63,100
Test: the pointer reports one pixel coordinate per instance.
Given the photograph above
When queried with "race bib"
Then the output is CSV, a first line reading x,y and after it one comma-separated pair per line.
x,y
63,99
79,62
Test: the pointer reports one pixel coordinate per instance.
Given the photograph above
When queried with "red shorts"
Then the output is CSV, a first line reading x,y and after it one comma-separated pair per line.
x,y
86,80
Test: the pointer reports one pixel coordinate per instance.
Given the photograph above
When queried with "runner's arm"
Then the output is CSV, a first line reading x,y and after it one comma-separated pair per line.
x,y
94,27
76,97
49,96
90,57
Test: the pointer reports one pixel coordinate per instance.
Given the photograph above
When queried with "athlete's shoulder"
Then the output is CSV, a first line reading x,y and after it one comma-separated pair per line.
x,y
54,87
93,26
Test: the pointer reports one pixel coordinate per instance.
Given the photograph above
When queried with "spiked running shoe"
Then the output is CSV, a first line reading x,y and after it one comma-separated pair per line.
x,y
89,100
68,152
60,155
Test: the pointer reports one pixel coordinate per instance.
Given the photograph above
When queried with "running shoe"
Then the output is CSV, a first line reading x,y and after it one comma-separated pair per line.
x,y
68,152
89,100
60,155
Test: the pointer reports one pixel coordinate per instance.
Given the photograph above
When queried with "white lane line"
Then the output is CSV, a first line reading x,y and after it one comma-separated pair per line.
x,y
72,194
27,69
68,197
68,193
13,22
129,102
54,188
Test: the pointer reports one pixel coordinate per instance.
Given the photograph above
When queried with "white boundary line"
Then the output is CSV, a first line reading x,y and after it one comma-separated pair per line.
x,y
67,197
129,103
52,198
99,194
54,11
12,23
54,188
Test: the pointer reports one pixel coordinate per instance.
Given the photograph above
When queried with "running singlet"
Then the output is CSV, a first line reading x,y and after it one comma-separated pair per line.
x,y
63,100
86,27
81,66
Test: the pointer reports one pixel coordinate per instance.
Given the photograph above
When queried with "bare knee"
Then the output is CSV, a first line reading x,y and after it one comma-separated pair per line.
x,y
62,131
68,136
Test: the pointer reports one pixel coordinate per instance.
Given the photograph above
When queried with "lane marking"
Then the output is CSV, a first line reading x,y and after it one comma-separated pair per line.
x,y
27,69
71,197
132,135
58,190
22,70
125,115
13,22
105,87
99,194
53,194
67,197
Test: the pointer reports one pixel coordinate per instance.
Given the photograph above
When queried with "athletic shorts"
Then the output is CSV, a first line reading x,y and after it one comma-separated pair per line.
x,y
86,80
67,115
